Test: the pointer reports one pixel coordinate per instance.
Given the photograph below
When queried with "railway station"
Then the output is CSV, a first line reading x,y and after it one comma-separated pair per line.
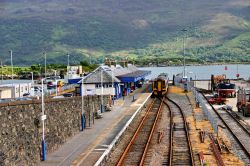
x,y
137,133
158,123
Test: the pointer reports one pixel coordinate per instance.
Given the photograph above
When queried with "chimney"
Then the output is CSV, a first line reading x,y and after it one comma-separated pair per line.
x,y
113,62
124,63
107,62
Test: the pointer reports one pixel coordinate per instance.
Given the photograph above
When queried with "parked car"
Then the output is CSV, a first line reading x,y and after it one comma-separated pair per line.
x,y
58,97
5,100
26,94
22,99
68,94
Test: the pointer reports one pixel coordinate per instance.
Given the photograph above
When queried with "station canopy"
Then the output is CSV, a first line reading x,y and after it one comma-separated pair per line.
x,y
134,76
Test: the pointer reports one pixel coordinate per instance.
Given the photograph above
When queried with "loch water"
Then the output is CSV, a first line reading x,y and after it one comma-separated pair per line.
x,y
202,72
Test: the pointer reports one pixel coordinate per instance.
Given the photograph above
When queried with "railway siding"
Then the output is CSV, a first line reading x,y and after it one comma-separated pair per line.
x,y
232,132
198,121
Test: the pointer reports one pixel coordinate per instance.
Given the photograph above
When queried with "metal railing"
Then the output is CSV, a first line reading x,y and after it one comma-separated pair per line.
x,y
206,108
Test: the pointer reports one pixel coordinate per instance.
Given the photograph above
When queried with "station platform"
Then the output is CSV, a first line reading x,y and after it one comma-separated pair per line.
x,y
86,147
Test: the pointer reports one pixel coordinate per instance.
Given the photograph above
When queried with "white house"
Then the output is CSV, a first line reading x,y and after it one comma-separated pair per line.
x,y
94,81
15,90
117,80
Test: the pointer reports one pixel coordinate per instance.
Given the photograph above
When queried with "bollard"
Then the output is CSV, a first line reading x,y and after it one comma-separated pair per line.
x,y
101,108
43,150
113,100
89,118
82,122
133,98
197,104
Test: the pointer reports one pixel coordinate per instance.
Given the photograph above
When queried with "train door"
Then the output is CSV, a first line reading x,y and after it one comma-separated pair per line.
x,y
159,86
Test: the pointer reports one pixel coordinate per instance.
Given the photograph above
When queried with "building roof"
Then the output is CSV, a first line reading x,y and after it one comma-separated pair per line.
x,y
13,85
134,76
95,77
119,73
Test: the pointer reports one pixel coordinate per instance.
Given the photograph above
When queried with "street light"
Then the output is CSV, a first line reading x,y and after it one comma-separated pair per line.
x,y
102,90
56,81
45,63
82,115
11,61
32,81
113,93
68,68
68,59
184,58
2,72
43,117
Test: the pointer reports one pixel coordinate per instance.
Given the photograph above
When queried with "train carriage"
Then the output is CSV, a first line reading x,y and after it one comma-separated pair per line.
x,y
160,85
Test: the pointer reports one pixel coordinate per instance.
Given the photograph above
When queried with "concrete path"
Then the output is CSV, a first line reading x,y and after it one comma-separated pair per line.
x,y
96,138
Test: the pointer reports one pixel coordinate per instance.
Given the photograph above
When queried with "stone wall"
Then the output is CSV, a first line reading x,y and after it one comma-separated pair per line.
x,y
21,129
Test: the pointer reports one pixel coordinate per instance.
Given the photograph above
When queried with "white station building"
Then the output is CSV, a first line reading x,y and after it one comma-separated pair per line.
x,y
14,90
112,79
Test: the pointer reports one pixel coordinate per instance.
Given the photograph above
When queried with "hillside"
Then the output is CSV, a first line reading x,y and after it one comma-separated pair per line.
x,y
87,29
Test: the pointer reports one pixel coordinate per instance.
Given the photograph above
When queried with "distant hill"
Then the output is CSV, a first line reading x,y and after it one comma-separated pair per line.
x,y
139,29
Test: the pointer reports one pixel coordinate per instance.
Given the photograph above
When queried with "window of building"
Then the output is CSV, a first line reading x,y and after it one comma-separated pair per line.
x,y
16,90
26,88
98,85
21,89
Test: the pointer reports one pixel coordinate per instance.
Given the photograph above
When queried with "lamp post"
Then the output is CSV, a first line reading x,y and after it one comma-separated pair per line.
x,y
68,68
237,74
68,59
56,81
102,90
2,72
45,64
82,113
43,117
11,61
113,91
32,80
184,58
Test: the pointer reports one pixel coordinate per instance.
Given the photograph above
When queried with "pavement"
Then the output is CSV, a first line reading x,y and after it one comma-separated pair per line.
x,y
86,147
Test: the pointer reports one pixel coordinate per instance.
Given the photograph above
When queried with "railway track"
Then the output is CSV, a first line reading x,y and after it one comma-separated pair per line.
x,y
240,133
180,149
137,149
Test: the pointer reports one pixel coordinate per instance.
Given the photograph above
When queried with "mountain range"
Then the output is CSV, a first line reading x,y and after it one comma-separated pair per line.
x,y
215,30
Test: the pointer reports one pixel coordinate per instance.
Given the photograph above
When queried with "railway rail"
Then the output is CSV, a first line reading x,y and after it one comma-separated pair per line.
x,y
136,151
180,148
239,132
